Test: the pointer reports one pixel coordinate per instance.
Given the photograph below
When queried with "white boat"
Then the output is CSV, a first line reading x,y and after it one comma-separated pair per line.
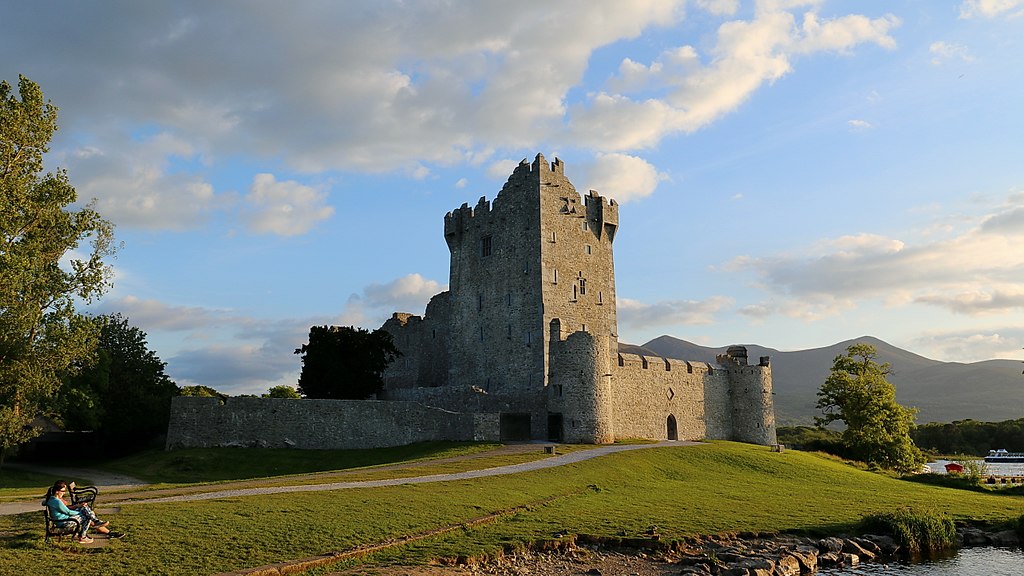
x,y
1002,455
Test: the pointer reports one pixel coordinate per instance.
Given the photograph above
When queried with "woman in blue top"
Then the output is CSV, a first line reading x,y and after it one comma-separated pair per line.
x,y
82,516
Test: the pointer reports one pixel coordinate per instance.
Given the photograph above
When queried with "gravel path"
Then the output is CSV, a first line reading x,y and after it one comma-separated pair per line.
x,y
110,482
560,460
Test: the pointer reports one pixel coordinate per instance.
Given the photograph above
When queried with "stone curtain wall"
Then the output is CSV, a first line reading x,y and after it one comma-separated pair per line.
x,y
646,393
318,424
723,402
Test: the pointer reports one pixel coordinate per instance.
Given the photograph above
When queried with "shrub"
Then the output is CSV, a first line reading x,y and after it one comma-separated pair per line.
x,y
975,469
916,531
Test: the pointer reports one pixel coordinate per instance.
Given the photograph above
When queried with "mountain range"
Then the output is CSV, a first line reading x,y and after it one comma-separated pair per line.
x,y
990,391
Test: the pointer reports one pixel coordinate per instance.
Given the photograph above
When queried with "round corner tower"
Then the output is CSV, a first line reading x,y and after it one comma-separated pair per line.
x,y
580,387
751,395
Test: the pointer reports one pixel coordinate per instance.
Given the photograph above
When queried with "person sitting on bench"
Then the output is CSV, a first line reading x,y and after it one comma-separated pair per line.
x,y
80,513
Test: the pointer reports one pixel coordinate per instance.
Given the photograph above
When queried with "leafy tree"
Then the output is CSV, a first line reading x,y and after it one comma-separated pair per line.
x,y
44,270
970,436
877,427
345,362
282,391
200,391
124,394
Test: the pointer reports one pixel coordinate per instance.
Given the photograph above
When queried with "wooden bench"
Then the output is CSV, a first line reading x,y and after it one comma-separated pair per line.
x,y
59,531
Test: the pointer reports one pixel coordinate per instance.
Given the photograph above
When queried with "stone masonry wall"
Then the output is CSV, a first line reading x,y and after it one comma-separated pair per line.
x,y
649,390
317,424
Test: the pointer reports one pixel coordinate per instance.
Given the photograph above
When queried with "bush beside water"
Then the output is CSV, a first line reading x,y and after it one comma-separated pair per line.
x,y
915,530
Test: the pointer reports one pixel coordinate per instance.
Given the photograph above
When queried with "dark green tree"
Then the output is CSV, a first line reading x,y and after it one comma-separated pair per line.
x,y
345,362
877,427
282,391
44,268
124,394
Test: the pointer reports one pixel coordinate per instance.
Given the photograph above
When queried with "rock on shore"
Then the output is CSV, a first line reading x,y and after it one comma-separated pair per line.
x,y
723,555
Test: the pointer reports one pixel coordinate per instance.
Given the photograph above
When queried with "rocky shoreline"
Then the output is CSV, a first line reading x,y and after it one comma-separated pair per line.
x,y
747,554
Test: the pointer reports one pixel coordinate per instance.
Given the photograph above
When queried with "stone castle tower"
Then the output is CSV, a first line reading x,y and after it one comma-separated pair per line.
x,y
528,331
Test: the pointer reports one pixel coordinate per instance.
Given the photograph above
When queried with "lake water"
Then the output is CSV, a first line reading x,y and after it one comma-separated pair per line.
x,y
994,468
981,561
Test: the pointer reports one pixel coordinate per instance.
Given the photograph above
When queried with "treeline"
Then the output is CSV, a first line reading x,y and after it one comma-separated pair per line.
x,y
970,436
960,437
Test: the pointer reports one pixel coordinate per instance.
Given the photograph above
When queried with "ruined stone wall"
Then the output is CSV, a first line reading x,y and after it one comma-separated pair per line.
x,y
424,343
317,424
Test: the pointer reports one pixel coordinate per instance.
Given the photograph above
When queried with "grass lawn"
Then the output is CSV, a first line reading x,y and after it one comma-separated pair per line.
x,y
683,490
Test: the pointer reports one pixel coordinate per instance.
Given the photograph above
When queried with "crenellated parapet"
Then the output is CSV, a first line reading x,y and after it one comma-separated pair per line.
x,y
603,215
458,220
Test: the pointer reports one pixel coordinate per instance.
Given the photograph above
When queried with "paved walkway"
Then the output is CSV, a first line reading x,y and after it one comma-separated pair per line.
x,y
252,488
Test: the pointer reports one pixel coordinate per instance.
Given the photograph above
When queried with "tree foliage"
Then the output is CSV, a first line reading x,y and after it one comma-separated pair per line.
x,y
282,391
970,436
345,362
44,269
124,393
857,393
200,391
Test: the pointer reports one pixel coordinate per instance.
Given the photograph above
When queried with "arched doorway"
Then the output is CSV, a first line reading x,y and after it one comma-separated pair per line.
x,y
673,433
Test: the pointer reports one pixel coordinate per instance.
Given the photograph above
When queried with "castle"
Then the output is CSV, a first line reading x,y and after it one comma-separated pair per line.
x,y
523,345
527,330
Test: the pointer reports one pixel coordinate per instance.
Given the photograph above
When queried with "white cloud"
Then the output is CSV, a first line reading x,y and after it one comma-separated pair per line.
x,y
151,315
638,315
977,271
461,183
134,185
620,177
808,309
679,93
284,208
943,51
973,346
843,33
378,302
859,125
190,339
440,86
990,8
408,291
719,7
500,169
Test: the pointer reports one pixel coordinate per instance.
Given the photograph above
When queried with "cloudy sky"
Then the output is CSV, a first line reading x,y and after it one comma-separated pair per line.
x,y
791,173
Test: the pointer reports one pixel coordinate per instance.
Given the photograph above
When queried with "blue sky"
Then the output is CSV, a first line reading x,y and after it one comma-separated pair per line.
x,y
790,173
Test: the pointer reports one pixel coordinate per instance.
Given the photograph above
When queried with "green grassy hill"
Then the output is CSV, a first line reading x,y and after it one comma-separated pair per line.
x,y
713,488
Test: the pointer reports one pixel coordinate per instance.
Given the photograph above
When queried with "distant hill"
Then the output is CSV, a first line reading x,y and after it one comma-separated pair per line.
x,y
991,391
